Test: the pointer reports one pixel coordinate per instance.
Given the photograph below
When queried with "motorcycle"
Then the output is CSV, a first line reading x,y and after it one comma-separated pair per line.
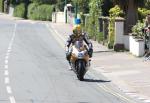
x,y
80,61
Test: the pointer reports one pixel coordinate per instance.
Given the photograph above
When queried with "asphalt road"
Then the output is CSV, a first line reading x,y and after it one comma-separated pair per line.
x,y
33,69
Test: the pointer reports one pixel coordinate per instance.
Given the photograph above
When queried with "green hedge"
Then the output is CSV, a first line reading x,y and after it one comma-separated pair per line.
x,y
19,10
1,5
32,9
40,12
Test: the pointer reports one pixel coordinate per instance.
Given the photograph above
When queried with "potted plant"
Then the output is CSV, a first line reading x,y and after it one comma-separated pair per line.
x,y
136,40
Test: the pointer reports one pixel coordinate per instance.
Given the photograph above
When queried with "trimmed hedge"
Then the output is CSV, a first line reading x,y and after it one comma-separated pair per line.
x,y
1,6
19,10
32,8
40,12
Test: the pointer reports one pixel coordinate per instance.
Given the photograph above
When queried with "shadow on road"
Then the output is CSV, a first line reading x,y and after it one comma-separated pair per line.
x,y
95,80
107,51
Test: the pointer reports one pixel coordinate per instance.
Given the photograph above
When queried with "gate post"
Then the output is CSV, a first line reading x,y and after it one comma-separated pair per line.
x,y
119,32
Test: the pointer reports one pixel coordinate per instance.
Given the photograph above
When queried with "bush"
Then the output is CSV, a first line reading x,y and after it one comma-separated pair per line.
x,y
142,13
19,10
1,5
40,12
92,20
32,9
116,12
137,29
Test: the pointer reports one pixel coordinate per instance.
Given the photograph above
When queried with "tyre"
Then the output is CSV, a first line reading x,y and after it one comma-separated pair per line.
x,y
81,70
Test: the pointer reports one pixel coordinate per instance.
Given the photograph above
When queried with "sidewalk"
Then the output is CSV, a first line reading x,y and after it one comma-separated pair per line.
x,y
129,73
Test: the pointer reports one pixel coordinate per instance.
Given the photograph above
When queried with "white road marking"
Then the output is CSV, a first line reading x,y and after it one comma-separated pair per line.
x,y
9,90
7,54
6,66
105,88
6,72
7,81
57,36
6,61
9,50
12,99
6,57
57,33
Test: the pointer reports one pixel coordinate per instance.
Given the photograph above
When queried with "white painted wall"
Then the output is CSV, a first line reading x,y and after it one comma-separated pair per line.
x,y
119,32
136,46
11,10
58,17
126,41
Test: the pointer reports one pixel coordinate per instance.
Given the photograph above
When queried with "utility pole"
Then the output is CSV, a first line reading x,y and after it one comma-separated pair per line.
x,y
66,11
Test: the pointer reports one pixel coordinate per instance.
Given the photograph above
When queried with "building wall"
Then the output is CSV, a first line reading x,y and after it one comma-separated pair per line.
x,y
58,17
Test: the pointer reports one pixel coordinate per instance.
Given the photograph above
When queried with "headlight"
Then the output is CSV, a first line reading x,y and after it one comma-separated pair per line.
x,y
80,55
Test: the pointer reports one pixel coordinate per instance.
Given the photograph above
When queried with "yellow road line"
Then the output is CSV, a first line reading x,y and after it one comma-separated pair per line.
x,y
105,88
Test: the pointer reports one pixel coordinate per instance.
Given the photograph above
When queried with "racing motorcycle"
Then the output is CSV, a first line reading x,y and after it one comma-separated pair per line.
x,y
79,60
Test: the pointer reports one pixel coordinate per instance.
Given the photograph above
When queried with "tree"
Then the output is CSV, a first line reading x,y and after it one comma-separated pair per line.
x,y
130,8
95,12
60,5
83,5
106,5
44,1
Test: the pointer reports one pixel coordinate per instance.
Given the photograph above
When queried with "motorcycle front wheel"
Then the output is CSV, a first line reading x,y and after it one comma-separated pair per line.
x,y
81,70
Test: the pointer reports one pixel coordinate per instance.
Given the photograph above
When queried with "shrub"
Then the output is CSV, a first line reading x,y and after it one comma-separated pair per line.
x,y
137,29
32,9
1,5
95,12
142,13
40,12
19,10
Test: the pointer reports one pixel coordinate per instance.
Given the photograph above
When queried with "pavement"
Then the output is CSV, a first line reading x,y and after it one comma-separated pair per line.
x,y
129,73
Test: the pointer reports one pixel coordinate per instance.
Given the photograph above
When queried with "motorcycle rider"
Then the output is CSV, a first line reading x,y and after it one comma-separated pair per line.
x,y
78,35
